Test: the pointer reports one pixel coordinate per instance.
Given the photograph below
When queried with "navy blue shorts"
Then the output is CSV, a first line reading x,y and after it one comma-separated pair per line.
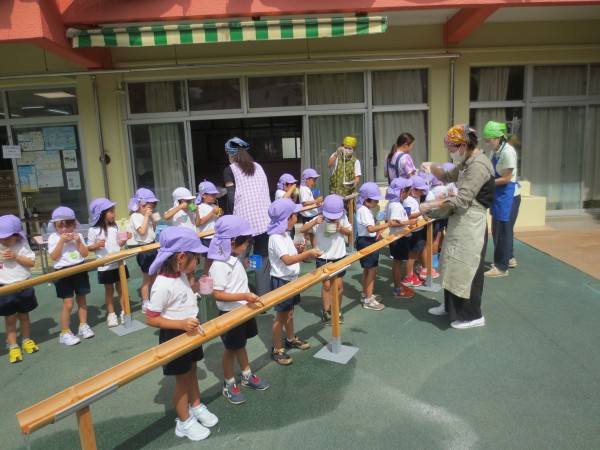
x,y
146,259
289,303
206,243
322,262
183,364
111,276
18,302
237,337
417,241
78,283
399,249
372,259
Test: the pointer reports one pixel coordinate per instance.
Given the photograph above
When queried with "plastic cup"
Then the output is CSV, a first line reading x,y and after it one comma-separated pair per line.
x,y
122,235
408,210
206,285
255,262
155,217
192,207
331,227
380,215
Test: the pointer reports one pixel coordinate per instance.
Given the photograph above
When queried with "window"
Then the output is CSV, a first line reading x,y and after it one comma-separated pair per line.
x,y
43,102
155,97
559,81
276,92
397,87
220,94
336,88
489,84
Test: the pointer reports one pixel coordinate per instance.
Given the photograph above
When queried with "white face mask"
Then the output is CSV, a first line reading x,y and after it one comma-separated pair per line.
x,y
457,158
348,152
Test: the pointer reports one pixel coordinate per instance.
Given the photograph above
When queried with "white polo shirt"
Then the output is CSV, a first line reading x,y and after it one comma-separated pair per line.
x,y
334,245
203,210
306,195
229,276
110,246
70,255
395,211
364,218
136,220
280,245
173,298
184,219
12,271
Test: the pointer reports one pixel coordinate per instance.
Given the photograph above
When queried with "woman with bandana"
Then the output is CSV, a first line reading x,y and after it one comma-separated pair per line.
x,y
346,169
465,243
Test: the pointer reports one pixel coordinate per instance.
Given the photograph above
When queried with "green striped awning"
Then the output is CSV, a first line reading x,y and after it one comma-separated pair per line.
x,y
254,30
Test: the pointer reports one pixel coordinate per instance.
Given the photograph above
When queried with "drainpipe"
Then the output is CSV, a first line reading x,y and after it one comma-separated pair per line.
x,y
452,67
100,140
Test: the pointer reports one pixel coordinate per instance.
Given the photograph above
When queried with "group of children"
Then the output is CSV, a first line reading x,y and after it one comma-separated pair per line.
x,y
168,290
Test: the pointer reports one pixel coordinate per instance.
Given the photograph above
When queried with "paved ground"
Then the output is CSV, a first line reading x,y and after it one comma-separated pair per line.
x,y
527,380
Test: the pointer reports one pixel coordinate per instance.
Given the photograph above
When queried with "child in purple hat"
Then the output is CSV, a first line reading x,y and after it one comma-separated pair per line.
x,y
173,308
230,282
416,239
143,221
285,267
15,266
207,214
307,198
287,187
67,248
396,216
103,239
330,229
369,196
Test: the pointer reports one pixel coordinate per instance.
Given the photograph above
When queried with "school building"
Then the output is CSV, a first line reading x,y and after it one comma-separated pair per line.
x,y
100,98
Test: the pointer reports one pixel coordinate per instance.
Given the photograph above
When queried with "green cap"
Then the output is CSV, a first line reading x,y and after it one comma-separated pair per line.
x,y
494,130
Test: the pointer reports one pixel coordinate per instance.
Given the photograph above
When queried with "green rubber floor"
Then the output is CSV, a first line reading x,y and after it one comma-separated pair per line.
x,y
529,379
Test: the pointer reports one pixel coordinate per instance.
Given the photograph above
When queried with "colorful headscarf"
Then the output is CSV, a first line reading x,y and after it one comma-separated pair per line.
x,y
459,134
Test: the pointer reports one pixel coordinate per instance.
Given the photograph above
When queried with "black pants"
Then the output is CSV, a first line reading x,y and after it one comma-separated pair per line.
x,y
503,235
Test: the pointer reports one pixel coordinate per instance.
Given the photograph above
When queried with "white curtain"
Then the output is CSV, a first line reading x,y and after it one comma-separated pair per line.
x,y
559,80
334,88
397,87
492,84
167,145
590,194
326,135
387,126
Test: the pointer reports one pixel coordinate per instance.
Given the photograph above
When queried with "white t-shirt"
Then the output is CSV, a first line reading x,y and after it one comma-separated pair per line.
x,y
184,219
280,245
508,160
110,246
452,188
334,245
70,255
306,195
364,218
412,203
203,210
11,271
357,169
173,298
279,193
136,220
395,211
229,276
437,193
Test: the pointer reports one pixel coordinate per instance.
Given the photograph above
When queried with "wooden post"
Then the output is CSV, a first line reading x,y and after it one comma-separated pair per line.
x,y
428,253
351,220
86,429
335,315
124,289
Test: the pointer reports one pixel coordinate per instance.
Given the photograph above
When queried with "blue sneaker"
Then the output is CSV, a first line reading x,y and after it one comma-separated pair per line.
x,y
233,393
254,382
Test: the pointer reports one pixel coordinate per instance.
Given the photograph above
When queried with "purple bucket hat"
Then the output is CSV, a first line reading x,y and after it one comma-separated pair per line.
x,y
206,187
447,166
231,146
421,184
9,225
133,205
309,173
62,213
173,240
333,207
279,212
286,178
368,190
227,228
97,206
393,192
145,195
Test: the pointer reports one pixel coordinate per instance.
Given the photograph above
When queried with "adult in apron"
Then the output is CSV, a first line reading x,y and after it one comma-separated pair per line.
x,y
506,204
465,243
346,170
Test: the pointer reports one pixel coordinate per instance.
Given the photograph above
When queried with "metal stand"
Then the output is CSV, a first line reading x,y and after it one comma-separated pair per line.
x,y
130,326
335,351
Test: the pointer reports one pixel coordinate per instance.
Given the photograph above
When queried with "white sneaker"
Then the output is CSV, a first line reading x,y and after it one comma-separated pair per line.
x,y
464,324
68,338
112,320
191,429
85,331
438,310
363,297
373,304
494,272
145,304
203,415
512,263
122,318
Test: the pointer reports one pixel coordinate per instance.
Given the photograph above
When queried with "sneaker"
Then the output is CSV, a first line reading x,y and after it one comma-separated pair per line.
x,y
494,272
326,316
85,331
407,281
363,297
191,429
464,324
512,263
15,355
203,415
297,343
373,304
145,306
415,280
30,347
341,316
438,310
254,382
233,393
68,338
403,292
112,320
422,273
281,357
122,318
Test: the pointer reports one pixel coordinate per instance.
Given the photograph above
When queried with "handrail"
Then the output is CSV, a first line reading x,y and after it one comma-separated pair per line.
x,y
81,395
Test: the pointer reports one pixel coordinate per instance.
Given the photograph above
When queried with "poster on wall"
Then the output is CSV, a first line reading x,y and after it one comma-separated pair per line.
x,y
11,151
69,159
42,160
31,141
50,178
60,138
28,179
73,180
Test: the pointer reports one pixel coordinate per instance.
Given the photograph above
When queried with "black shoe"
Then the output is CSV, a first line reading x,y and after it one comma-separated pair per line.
x,y
327,317
281,357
